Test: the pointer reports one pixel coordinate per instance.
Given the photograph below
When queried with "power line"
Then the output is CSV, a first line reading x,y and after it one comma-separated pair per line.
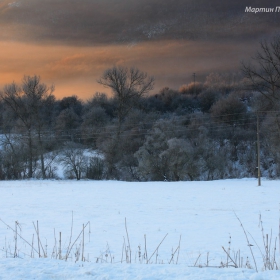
x,y
79,132
189,118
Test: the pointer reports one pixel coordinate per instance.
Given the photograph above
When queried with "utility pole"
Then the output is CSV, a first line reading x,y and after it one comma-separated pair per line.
x,y
258,151
194,83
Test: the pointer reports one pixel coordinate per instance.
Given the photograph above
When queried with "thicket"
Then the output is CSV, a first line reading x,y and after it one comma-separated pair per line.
x,y
202,131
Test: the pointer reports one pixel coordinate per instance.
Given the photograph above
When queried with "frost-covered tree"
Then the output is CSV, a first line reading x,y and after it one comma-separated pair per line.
x,y
167,154
150,165
230,110
181,160
67,125
94,122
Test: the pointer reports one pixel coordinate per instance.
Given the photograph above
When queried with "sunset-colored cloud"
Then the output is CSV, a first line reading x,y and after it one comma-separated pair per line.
x,y
74,70
71,43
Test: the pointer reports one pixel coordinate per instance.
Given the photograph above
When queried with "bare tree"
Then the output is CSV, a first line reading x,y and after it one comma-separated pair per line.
x,y
29,102
263,72
12,157
74,160
127,85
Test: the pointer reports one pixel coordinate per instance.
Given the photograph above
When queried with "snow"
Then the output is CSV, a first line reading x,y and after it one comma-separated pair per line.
x,y
202,213
52,269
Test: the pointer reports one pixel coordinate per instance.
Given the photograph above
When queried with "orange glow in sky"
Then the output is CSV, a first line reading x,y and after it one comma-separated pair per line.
x,y
75,70
70,43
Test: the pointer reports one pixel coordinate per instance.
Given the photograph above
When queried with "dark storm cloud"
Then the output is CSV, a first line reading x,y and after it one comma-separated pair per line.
x,y
90,22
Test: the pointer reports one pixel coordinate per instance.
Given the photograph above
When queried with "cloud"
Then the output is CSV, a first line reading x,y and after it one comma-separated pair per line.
x,y
74,70
94,22
70,43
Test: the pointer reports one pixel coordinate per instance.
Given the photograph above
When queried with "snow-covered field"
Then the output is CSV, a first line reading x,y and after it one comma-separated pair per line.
x,y
202,213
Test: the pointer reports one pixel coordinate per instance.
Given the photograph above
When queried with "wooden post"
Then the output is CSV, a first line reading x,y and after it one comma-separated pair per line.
x,y
258,151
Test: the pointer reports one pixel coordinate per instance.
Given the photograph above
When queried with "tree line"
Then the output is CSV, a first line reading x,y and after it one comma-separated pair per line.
x,y
202,131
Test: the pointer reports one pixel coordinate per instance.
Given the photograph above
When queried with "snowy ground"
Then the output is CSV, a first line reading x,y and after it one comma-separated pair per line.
x,y
202,213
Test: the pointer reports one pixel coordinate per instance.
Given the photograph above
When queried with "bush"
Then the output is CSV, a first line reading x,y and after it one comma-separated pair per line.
x,y
207,98
229,110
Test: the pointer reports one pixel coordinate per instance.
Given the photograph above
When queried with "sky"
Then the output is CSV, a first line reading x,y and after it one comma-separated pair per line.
x,y
70,43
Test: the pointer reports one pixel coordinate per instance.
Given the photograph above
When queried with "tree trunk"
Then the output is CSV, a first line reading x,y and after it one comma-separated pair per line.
x,y
30,156
42,155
